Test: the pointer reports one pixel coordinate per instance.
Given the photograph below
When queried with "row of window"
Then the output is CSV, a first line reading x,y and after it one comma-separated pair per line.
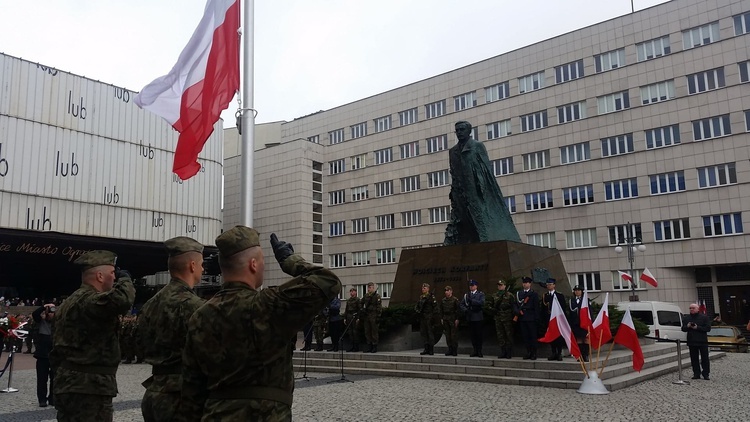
x,y
362,258
650,49
388,221
592,282
408,184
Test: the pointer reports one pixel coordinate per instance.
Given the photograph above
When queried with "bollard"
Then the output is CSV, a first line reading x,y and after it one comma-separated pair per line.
x,y
10,374
679,365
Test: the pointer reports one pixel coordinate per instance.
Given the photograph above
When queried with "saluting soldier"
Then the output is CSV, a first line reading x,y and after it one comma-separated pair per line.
x,y
426,309
502,307
353,307
449,311
371,310
527,311
547,300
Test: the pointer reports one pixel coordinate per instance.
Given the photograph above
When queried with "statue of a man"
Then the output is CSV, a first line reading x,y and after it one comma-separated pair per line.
x,y
479,213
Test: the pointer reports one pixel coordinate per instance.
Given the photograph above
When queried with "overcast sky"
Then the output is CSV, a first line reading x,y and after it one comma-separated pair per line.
x,y
310,55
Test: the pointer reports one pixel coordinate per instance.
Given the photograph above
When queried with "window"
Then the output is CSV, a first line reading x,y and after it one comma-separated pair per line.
x,y
671,230
613,102
609,60
435,109
336,136
538,200
502,166
662,136
409,150
359,193
386,256
437,143
723,174
621,189
510,202
358,161
337,197
569,71
667,182
617,145
382,124
722,224
336,229
409,184
712,127
361,258
578,195
440,214
744,71
741,24
384,222
571,112
498,129
497,92
359,130
385,290
701,35
384,188
383,156
706,81
660,91
619,283
531,82
335,167
534,121
583,238
411,218
407,117
536,160
575,153
337,260
315,139
591,282
475,133
545,240
465,101
619,234
361,225
437,178
653,48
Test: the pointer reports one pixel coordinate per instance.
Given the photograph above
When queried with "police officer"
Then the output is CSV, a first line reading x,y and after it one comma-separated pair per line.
x,y
527,311
471,306
449,310
371,310
502,307
350,319
547,300
237,363
426,309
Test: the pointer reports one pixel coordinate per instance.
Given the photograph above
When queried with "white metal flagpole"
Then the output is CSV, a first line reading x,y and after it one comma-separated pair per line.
x,y
248,116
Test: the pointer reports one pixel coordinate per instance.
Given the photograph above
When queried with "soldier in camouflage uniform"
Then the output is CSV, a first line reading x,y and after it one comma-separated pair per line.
x,y
127,338
426,309
449,312
371,310
501,306
353,306
237,363
162,328
86,349
320,322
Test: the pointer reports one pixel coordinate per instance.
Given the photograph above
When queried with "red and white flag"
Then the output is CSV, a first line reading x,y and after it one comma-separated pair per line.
x,y
627,336
648,277
584,314
600,332
625,276
200,86
702,306
558,326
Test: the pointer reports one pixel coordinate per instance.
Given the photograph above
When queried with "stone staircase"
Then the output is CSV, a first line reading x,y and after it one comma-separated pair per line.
x,y
660,359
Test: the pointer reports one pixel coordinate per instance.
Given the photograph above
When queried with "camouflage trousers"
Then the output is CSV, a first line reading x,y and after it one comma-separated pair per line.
x,y
371,329
354,330
425,330
451,333
320,333
76,407
157,406
242,410
504,331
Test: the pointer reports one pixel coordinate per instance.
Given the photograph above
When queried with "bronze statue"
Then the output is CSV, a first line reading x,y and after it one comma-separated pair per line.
x,y
478,210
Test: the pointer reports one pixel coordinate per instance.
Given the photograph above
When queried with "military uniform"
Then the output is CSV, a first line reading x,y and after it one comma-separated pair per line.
x,y
127,338
557,344
86,348
449,311
426,309
353,307
371,310
160,336
527,310
472,305
502,308
237,363
320,322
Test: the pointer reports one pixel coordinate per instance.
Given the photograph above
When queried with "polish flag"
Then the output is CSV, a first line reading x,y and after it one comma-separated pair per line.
x,y
702,306
600,332
200,86
558,326
627,336
625,276
648,277
584,314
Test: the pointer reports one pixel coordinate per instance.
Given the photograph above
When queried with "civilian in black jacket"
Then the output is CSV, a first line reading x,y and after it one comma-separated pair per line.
x,y
43,317
697,325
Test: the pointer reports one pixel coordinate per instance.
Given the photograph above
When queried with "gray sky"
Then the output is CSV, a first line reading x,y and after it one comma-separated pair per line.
x,y
310,55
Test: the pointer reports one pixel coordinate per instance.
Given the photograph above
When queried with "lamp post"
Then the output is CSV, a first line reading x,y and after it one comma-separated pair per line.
x,y
630,242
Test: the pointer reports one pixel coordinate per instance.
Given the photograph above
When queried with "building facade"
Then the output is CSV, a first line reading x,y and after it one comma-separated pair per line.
x,y
636,127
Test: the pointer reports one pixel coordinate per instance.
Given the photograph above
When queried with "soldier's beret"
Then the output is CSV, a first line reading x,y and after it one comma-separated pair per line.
x,y
426,285
527,280
182,244
236,239
93,259
551,281
473,283
578,288
370,284
499,282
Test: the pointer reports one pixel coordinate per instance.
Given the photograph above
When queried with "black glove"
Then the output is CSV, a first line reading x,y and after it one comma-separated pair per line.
x,y
120,273
282,250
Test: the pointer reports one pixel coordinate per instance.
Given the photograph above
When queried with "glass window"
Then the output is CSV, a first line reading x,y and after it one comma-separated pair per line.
x,y
534,121
531,82
382,124
666,230
654,93
435,109
578,195
359,130
408,117
336,136
706,81
498,129
701,35
667,182
620,189
571,112
437,143
662,136
583,238
617,145
464,101
609,60
569,71
383,156
575,153
545,240
712,127
653,48
502,166
497,92
722,224
538,200
613,102
409,150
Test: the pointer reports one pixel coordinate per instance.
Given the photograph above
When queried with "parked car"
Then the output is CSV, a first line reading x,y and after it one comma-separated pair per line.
x,y
731,336
663,318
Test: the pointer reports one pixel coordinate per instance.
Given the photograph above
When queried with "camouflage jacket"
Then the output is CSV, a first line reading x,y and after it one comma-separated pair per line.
x,y
353,306
162,327
237,347
449,308
86,349
372,306
501,305
426,306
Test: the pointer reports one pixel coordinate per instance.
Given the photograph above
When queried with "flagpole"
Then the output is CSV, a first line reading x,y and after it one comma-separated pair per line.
x,y
247,138
606,359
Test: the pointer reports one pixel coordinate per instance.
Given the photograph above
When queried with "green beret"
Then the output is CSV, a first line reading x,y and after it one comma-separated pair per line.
x,y
181,244
93,259
236,239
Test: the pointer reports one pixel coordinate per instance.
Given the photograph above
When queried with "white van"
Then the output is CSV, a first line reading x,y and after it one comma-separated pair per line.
x,y
663,318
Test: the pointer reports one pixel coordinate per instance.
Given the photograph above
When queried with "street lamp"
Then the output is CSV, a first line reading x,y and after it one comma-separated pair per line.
x,y
630,242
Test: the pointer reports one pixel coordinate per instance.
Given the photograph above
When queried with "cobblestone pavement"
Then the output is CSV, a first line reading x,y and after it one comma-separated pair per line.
x,y
367,398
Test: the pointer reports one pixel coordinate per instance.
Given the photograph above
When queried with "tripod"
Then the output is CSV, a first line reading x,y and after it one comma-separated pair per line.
x,y
341,352
304,354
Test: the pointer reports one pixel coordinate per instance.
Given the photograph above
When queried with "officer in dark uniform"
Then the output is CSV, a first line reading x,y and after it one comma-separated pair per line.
x,y
574,318
527,313
471,306
547,300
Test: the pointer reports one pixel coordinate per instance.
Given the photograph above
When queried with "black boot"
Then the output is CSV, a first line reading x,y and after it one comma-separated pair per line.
x,y
508,352
455,350
449,352
306,348
527,356
374,348
431,350
319,347
426,350
368,348
351,349
533,353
